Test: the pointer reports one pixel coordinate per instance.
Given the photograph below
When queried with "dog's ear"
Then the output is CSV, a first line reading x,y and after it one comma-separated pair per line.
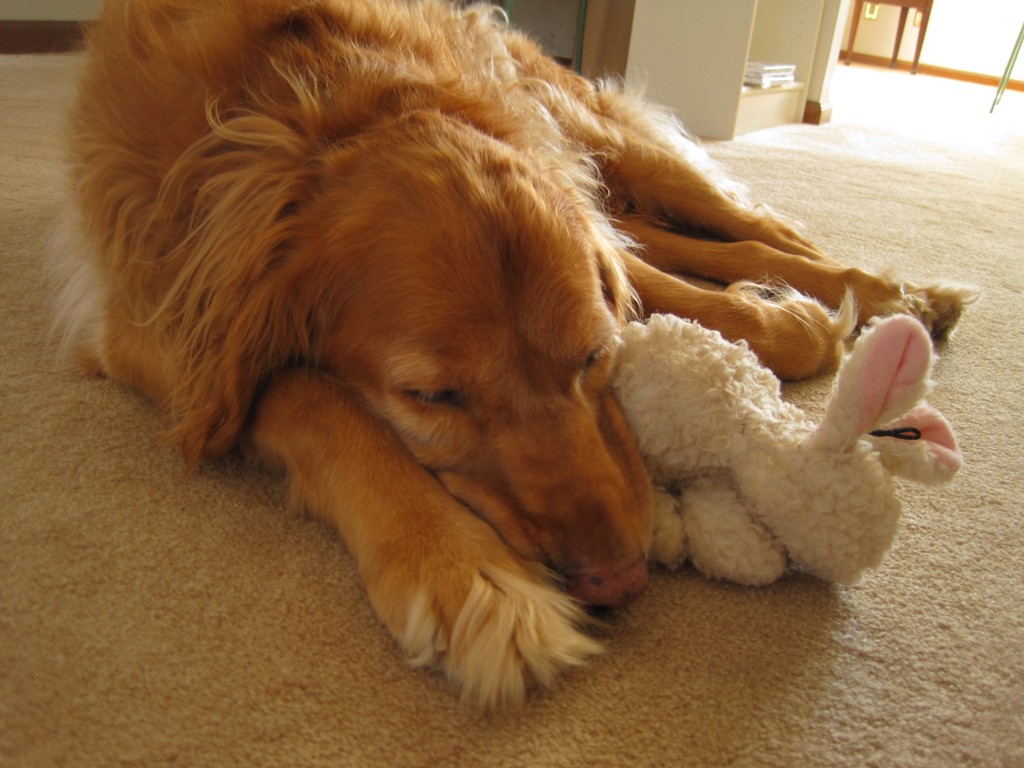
x,y
235,311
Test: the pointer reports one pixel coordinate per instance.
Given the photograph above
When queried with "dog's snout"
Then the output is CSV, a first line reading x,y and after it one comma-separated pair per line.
x,y
610,587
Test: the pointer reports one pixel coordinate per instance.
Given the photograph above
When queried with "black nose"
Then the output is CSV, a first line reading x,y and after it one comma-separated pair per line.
x,y
609,587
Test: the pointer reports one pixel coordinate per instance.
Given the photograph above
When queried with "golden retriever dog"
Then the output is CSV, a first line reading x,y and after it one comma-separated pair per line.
x,y
386,246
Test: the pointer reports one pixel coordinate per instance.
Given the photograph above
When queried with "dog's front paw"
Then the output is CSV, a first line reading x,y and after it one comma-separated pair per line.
x,y
939,305
511,632
471,608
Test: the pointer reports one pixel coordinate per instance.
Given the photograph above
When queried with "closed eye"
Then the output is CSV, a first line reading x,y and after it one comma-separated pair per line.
x,y
447,397
595,357
596,368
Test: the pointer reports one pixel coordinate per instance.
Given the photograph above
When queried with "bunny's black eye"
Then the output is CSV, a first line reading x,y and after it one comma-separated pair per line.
x,y
900,433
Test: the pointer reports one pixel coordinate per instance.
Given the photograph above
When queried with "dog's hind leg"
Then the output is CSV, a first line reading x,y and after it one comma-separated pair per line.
x,y
739,262
938,306
794,336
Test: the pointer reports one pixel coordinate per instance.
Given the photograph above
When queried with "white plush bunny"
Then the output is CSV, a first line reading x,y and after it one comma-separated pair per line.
x,y
746,483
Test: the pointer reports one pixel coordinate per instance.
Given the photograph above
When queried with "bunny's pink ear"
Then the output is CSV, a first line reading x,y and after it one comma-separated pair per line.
x,y
885,376
894,372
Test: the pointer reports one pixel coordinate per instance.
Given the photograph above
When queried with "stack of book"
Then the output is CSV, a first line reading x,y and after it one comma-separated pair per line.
x,y
761,74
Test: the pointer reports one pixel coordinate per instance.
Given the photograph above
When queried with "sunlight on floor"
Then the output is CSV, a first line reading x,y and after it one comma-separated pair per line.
x,y
934,108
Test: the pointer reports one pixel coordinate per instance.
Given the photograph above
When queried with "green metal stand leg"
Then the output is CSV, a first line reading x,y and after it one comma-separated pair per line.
x,y
1009,70
581,23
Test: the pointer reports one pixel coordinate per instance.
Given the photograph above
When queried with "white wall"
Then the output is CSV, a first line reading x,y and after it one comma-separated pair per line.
x,y
974,36
49,10
606,37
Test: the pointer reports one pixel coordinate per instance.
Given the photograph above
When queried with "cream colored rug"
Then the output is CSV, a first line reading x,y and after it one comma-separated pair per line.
x,y
151,619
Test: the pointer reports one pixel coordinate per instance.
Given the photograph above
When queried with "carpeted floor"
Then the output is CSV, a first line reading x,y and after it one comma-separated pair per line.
x,y
152,619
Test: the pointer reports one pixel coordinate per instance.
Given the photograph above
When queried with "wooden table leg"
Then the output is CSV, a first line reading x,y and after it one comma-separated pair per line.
x,y
926,13
904,10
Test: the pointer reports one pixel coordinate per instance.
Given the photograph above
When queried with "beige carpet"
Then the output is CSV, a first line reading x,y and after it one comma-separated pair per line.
x,y
151,619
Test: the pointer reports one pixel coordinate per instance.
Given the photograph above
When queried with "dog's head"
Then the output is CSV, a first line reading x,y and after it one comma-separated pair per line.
x,y
472,298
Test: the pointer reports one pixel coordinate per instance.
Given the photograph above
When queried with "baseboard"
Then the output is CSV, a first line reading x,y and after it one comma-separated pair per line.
x,y
930,69
40,36
817,113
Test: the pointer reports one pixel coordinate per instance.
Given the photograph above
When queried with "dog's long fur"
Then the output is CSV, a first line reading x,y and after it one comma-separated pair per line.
x,y
387,246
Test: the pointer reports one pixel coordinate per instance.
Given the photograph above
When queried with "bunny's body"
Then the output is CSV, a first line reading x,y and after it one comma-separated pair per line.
x,y
747,482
